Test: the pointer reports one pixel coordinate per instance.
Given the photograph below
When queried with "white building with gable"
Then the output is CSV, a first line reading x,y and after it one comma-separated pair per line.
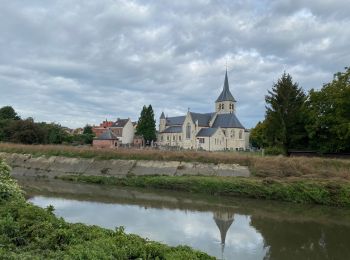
x,y
219,130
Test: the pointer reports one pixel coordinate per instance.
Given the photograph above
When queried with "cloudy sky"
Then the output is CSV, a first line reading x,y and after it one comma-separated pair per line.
x,y
81,61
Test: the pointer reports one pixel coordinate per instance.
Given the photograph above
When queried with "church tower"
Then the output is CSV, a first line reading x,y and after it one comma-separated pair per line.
x,y
225,104
162,122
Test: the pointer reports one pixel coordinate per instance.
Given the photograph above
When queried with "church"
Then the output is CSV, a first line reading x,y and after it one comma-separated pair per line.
x,y
217,131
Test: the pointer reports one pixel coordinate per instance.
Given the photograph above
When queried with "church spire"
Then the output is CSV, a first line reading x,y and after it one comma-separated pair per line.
x,y
226,93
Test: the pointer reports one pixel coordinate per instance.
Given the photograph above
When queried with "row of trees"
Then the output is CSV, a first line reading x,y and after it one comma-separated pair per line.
x,y
319,120
26,131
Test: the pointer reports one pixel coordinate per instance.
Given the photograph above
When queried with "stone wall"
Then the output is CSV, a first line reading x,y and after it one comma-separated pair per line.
x,y
27,165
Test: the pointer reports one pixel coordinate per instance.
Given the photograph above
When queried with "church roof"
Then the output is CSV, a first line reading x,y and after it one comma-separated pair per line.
x,y
176,120
162,116
206,132
203,119
226,93
173,129
227,121
108,135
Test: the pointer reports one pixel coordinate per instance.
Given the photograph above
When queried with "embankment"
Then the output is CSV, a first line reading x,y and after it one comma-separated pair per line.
x,y
318,181
54,166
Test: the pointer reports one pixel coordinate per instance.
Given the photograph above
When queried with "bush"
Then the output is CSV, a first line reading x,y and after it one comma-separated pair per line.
x,y
274,150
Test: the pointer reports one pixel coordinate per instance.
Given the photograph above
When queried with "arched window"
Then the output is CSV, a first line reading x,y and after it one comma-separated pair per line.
x,y
232,133
188,131
222,106
240,134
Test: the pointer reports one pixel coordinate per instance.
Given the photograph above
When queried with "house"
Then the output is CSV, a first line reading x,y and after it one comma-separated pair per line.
x,y
123,129
106,140
219,130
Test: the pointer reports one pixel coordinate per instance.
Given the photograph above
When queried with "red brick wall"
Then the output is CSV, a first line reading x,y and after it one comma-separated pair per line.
x,y
104,143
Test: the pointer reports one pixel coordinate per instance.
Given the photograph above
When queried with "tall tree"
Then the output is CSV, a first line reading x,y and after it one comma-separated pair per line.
x,y
146,125
285,114
329,115
8,112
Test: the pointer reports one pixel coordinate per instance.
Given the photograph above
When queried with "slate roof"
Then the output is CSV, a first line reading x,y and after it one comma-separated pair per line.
x,y
227,121
162,116
108,135
206,132
203,119
226,93
120,122
173,129
176,120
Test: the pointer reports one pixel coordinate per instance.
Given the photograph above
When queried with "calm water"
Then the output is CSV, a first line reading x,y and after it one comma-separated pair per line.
x,y
225,228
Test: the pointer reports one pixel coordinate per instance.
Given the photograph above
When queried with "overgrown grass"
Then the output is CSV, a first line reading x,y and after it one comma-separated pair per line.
x,y
331,193
262,167
29,232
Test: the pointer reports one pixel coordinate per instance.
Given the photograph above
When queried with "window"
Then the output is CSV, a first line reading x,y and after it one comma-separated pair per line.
x,y
174,137
201,140
224,132
232,133
161,138
240,134
222,106
179,137
188,131
168,137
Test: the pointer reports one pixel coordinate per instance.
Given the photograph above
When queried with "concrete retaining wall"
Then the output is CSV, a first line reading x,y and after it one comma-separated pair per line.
x,y
26,165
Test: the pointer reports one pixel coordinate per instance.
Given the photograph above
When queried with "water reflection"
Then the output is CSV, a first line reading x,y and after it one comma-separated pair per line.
x,y
225,228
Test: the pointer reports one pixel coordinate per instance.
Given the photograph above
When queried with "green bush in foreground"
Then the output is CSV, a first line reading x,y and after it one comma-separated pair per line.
x,y
30,232
331,193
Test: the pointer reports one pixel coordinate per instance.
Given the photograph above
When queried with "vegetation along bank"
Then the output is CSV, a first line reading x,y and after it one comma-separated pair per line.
x,y
302,180
30,232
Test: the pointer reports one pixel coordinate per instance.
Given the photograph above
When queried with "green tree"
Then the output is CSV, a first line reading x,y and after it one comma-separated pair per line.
x,y
285,115
146,125
329,115
8,112
88,135
258,135
24,131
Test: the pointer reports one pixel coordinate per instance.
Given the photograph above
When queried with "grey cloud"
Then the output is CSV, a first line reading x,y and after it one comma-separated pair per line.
x,y
78,62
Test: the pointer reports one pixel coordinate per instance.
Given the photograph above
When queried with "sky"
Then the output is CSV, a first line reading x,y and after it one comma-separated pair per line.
x,y
77,62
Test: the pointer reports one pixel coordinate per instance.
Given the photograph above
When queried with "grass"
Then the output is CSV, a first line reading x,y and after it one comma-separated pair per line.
x,y
261,167
331,193
30,232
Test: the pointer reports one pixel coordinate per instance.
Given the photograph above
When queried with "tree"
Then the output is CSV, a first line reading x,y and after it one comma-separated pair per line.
x,y
88,135
8,112
285,115
258,135
146,125
24,131
329,115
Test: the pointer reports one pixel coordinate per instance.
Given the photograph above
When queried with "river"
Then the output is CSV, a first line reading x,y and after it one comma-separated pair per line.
x,y
228,228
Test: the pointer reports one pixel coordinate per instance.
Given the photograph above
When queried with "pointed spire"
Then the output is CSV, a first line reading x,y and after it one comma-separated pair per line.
x,y
226,93
162,116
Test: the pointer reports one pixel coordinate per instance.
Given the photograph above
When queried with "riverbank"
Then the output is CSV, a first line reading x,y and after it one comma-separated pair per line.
x,y
29,232
321,192
261,167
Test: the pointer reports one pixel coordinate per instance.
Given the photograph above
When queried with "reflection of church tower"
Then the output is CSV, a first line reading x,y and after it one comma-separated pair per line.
x,y
223,220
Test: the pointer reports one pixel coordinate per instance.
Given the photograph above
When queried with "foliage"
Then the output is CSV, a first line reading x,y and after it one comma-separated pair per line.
x,y
13,129
8,187
285,114
274,150
332,193
29,232
146,125
8,113
257,135
329,115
